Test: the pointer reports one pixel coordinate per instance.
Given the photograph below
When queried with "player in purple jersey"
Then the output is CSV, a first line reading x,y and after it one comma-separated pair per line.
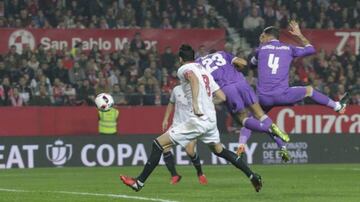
x,y
273,59
240,97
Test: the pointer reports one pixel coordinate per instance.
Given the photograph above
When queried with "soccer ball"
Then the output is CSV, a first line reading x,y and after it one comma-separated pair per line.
x,y
104,101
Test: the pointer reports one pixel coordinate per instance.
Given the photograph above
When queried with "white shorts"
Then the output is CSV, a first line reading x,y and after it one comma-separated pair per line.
x,y
194,128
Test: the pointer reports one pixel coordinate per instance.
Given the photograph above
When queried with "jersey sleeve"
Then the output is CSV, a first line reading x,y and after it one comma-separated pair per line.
x,y
298,51
183,72
172,96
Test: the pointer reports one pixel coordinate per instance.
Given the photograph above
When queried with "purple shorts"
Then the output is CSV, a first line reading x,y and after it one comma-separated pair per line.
x,y
289,96
239,96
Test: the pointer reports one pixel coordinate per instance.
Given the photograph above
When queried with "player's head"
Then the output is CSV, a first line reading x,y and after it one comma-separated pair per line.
x,y
186,53
269,33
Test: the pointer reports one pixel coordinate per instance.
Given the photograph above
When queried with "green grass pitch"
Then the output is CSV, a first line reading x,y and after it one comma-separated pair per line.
x,y
290,183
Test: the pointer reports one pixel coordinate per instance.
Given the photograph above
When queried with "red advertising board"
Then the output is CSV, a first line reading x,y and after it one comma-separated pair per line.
x,y
316,119
54,121
109,40
329,40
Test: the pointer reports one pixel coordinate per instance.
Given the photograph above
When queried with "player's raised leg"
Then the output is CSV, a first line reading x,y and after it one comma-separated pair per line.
x,y
240,97
159,144
266,124
322,99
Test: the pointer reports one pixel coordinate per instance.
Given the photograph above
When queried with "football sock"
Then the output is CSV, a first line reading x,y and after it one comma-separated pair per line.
x,y
169,162
197,164
152,162
244,135
323,99
277,140
262,125
235,160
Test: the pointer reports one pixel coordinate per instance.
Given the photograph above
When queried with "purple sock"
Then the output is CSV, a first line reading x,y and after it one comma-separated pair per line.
x,y
322,99
244,135
278,141
260,126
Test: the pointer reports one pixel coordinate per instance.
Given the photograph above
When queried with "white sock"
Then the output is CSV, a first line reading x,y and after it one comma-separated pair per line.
x,y
337,106
140,183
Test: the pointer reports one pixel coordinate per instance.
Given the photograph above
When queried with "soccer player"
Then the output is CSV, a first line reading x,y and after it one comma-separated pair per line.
x,y
240,97
199,87
181,113
273,59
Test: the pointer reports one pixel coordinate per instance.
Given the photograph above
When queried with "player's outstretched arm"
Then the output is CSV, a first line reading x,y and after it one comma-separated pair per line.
x,y
240,63
169,109
308,49
294,29
219,97
194,84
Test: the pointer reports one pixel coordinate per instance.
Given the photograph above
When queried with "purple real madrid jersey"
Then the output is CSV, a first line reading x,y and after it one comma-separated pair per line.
x,y
219,64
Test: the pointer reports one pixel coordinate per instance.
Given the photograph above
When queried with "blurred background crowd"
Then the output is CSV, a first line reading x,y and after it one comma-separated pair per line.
x,y
137,76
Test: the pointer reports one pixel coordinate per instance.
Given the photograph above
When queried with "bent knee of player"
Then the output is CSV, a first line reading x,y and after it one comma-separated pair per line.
x,y
309,91
216,148
164,141
190,149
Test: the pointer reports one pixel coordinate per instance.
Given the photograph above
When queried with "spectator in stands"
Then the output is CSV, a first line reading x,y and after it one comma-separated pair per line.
x,y
213,22
76,74
155,70
42,99
2,96
70,95
253,25
138,45
24,90
168,59
135,94
201,52
149,82
166,24
5,89
14,98
119,97
33,63
4,72
58,92
61,72
102,86
86,93
128,14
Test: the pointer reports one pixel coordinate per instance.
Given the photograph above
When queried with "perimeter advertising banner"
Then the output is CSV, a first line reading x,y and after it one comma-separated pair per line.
x,y
329,40
87,151
75,121
109,40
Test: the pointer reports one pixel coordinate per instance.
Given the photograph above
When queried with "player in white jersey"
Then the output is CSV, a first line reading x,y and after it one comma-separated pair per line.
x,y
182,111
199,87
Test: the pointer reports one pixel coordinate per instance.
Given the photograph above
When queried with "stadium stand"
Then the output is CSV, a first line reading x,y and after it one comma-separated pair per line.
x,y
135,76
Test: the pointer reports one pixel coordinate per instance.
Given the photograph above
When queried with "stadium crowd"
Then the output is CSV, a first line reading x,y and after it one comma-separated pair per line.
x,y
136,76
107,14
251,16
